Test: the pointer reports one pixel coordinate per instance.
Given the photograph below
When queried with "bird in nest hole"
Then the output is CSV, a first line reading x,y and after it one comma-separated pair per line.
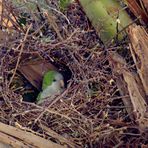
x,y
53,84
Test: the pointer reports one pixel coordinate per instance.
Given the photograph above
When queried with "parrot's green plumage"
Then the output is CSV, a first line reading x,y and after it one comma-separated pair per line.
x,y
53,84
48,79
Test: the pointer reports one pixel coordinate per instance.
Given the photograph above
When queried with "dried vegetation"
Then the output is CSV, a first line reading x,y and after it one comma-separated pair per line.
x,y
100,106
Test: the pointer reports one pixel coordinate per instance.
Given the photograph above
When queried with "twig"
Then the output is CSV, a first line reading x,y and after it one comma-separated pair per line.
x,y
53,24
54,101
57,136
20,53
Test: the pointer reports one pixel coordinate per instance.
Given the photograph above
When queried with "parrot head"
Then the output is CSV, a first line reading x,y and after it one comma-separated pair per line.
x,y
53,83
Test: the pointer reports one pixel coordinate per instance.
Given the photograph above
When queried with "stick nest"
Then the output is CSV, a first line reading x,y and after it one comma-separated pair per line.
x,y
90,112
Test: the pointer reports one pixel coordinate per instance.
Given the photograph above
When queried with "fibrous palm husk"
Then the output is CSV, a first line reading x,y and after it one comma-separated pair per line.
x,y
139,9
139,51
135,82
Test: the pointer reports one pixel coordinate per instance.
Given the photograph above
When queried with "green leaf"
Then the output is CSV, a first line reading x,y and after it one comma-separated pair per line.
x,y
108,18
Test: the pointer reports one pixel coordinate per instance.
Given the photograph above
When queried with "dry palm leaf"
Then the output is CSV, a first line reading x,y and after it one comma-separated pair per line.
x,y
23,138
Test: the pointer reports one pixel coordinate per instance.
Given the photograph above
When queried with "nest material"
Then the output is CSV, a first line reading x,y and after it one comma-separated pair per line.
x,y
90,112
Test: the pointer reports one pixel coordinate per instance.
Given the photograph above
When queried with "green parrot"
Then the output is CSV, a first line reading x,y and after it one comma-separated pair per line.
x,y
53,83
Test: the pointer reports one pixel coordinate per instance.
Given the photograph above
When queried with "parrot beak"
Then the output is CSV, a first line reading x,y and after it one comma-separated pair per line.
x,y
62,83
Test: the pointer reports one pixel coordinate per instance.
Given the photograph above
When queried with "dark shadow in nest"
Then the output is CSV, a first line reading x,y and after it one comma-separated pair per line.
x,y
32,91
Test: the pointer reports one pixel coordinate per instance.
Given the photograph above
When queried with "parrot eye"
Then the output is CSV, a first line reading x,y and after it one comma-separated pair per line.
x,y
54,80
